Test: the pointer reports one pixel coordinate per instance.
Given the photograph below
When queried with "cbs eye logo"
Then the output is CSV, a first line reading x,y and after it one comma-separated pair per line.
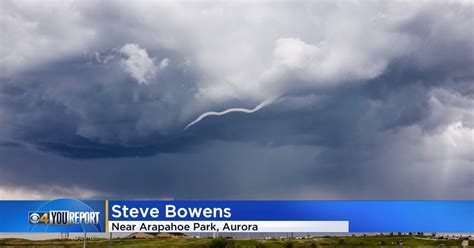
x,y
38,217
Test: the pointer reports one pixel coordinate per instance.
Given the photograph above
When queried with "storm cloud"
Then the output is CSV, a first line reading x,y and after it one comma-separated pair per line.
x,y
362,100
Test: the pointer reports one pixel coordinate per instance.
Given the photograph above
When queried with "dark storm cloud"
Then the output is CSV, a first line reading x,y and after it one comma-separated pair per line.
x,y
369,101
85,109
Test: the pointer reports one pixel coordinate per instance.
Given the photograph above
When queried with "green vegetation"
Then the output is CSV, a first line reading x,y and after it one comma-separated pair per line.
x,y
353,241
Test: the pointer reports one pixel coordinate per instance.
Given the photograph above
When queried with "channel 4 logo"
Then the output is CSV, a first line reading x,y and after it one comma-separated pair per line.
x,y
38,217
63,217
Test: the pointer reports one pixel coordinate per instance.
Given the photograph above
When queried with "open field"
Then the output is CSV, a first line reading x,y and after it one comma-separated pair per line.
x,y
369,241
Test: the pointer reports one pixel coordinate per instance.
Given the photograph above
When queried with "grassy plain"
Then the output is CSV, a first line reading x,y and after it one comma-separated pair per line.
x,y
349,241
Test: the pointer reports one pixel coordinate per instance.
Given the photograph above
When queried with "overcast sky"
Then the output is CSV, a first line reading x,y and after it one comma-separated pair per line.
x,y
236,100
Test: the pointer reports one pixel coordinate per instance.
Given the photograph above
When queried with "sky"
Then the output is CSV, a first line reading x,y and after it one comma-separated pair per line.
x,y
236,100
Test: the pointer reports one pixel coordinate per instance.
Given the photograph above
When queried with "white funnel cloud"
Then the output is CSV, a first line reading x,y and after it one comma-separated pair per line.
x,y
230,110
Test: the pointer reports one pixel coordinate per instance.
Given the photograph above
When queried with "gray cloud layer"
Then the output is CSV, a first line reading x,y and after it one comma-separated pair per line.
x,y
367,100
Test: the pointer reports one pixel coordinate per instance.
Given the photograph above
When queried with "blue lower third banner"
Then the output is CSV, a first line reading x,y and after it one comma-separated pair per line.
x,y
72,215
